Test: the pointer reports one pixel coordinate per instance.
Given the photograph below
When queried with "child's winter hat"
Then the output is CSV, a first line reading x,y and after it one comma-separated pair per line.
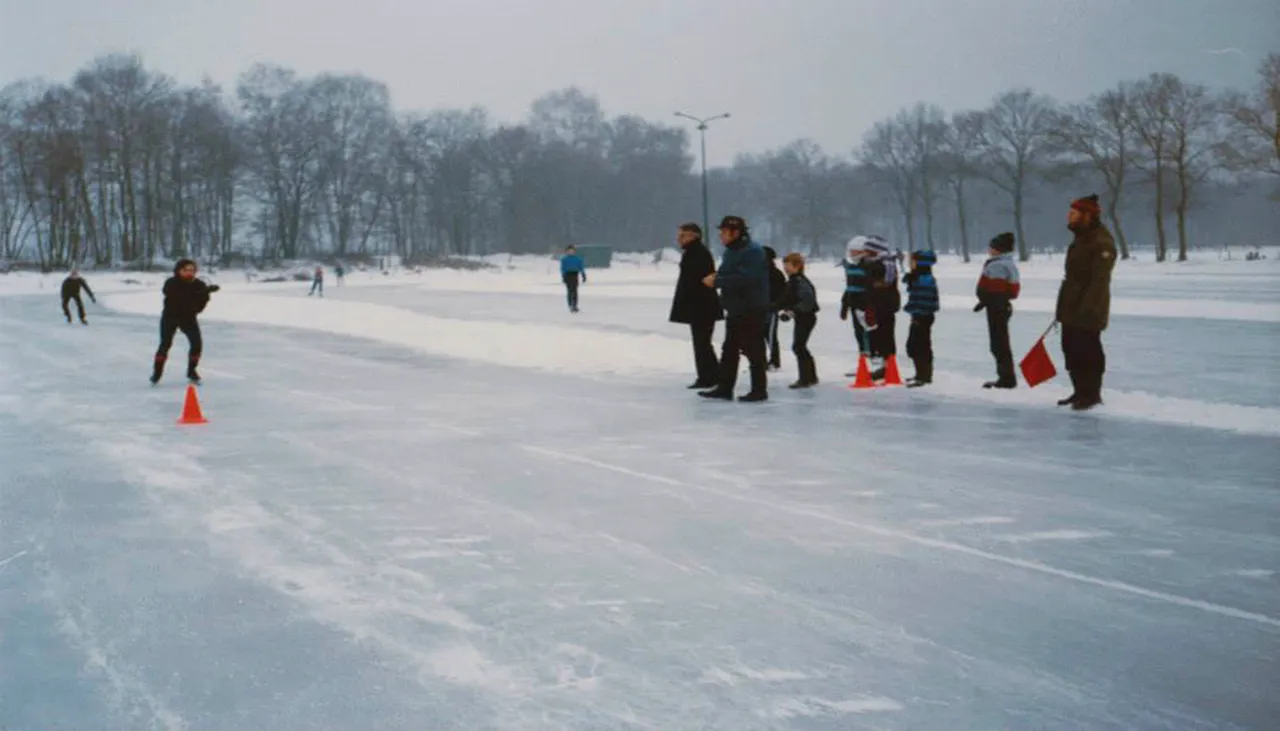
x,y
1003,243
1087,204
924,258
178,266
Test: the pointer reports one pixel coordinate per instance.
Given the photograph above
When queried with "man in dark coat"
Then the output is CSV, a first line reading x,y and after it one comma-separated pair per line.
x,y
1084,302
71,287
185,297
743,281
697,305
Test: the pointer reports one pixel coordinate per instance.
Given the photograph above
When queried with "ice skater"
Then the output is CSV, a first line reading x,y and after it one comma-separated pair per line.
x,y
71,287
997,288
884,300
317,282
800,302
777,290
853,301
571,268
338,273
185,297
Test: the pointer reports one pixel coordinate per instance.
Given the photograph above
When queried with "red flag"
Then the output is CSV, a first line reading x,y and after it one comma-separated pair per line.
x,y
1037,367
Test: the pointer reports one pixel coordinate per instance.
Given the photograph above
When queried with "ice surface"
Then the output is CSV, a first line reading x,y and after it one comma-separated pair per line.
x,y
484,513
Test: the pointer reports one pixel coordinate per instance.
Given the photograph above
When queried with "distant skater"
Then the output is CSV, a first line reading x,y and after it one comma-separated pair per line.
x,y
71,287
185,297
338,273
317,282
571,268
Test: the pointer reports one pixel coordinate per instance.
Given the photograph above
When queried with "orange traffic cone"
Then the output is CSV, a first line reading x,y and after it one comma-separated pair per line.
x,y
891,375
863,379
191,408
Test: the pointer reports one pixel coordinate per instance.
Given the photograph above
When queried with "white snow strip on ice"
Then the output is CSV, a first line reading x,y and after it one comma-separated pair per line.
x,y
1052,535
600,353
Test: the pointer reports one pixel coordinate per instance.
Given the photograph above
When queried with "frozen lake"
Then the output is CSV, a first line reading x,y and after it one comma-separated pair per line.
x,y
374,534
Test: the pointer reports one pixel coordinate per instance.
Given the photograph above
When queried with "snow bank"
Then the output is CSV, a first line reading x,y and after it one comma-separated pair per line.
x,y
602,353
553,348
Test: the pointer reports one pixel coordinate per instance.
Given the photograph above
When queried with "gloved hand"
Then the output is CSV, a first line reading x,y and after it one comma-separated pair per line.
x,y
214,288
980,306
1008,309
844,314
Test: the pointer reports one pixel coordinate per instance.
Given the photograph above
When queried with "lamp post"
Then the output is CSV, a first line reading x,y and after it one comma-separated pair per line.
x,y
702,133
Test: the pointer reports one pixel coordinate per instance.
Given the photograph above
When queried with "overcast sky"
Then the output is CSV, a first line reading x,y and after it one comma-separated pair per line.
x,y
824,69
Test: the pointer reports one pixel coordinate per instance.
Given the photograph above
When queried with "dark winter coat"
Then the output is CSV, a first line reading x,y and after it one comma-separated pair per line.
x,y
882,295
743,279
922,292
799,296
71,287
184,299
695,303
1084,300
777,286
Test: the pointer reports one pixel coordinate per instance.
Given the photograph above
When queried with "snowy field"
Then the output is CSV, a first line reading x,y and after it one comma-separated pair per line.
x,y
440,501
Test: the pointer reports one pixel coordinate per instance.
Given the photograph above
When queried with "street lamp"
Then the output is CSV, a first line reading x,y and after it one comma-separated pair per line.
x,y
702,133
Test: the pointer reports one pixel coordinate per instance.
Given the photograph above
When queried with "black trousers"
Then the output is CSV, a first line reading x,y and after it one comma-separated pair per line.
x,y
316,285
771,341
920,340
66,310
704,353
805,322
998,332
571,289
169,326
1086,361
742,337
884,339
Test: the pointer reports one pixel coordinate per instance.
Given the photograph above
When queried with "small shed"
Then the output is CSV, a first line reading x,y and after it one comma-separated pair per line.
x,y
596,257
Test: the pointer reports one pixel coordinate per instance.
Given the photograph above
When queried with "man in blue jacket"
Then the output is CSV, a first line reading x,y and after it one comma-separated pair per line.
x,y
743,281
572,267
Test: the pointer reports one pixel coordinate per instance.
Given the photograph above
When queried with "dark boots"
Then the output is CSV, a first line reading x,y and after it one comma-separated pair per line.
x,y
157,370
192,375
924,373
1088,392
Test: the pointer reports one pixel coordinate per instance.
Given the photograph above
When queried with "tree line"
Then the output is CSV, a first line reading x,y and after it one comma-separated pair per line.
x,y
122,166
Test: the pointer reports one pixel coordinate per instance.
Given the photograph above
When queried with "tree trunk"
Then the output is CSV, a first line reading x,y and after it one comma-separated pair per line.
x,y
1161,242
1023,253
1113,212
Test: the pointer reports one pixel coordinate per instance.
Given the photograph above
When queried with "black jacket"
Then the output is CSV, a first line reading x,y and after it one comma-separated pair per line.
x,y
184,299
800,296
695,303
71,287
777,286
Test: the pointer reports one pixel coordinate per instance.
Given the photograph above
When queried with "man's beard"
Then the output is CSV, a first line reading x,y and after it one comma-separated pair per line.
x,y
1079,226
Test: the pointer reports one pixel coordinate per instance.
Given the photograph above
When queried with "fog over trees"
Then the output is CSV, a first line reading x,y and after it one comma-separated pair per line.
x,y
121,165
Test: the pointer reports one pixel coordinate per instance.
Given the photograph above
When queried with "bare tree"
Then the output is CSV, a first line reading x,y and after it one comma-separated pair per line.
x,y
1014,142
1197,125
1255,139
888,153
1101,133
1151,108
959,155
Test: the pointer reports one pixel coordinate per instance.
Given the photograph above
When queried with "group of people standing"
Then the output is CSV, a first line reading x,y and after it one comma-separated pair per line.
x,y
751,295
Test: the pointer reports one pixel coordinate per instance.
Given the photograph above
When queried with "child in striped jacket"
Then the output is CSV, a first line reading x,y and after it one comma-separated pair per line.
x,y
922,305
997,288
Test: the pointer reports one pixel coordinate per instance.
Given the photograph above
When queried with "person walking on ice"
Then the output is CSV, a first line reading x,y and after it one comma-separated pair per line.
x,y
71,287
317,282
185,297
743,281
571,268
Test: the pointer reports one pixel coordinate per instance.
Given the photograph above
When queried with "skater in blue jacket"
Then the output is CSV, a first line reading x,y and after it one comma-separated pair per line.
x,y
571,268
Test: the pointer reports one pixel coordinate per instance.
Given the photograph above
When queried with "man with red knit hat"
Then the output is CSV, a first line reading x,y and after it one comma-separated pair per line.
x,y
1084,302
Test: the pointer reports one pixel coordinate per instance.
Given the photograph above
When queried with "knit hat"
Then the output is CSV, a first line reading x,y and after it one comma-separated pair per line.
x,y
1087,204
770,254
1003,243
925,258
181,263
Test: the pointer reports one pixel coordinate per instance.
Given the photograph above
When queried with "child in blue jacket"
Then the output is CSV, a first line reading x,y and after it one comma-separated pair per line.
x,y
571,268
922,305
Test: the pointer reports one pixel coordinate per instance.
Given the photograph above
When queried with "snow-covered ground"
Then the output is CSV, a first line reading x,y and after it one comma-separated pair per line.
x,y
439,501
